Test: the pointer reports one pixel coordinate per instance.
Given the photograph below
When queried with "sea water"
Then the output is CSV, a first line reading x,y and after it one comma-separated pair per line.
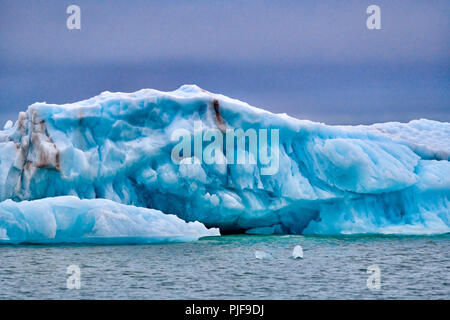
x,y
333,267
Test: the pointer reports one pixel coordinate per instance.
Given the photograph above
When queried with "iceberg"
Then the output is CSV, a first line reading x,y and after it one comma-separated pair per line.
x,y
68,219
382,178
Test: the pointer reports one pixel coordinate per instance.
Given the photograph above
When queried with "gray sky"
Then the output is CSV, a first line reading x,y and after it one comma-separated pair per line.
x,y
310,59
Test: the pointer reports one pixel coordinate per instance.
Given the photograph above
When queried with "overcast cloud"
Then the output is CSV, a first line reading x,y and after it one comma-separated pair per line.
x,y
313,59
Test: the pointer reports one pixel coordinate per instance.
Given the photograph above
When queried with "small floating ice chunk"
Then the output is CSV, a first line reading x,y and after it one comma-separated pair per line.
x,y
297,252
262,255
8,125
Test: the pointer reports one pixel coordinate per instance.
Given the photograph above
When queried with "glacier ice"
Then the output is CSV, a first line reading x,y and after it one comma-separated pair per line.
x,y
382,178
8,125
69,219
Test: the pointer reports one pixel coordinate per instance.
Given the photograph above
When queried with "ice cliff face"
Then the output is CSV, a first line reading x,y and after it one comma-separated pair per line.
x,y
391,177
